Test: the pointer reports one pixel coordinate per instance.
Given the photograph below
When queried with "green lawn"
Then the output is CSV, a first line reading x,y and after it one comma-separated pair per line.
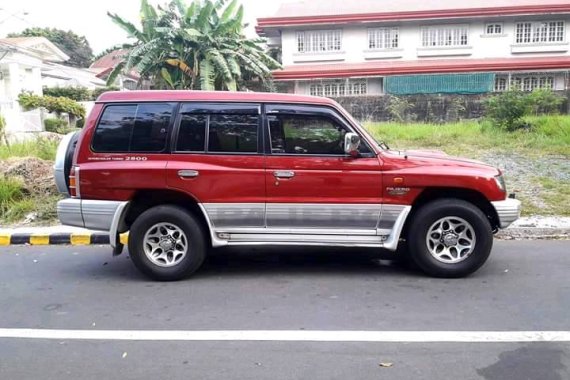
x,y
549,135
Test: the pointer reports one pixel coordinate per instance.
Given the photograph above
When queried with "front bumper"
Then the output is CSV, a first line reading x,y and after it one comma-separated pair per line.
x,y
508,211
92,214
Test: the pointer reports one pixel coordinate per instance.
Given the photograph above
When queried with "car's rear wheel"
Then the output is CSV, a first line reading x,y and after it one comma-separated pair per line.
x,y
449,238
167,243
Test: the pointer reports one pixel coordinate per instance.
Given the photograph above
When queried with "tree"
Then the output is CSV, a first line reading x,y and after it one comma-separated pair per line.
x,y
75,46
196,46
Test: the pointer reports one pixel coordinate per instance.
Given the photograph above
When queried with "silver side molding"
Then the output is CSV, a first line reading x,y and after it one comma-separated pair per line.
x,y
392,242
118,219
93,214
305,224
216,242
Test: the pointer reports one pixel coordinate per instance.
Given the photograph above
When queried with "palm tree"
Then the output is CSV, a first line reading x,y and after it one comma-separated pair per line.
x,y
200,46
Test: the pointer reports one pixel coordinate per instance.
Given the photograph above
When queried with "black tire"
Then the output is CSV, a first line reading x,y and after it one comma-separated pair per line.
x,y
179,217
432,212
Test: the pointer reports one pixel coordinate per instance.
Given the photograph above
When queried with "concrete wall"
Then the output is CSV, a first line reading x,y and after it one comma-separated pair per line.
x,y
424,108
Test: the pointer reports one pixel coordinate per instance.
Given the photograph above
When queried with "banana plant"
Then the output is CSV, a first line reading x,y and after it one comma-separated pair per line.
x,y
197,46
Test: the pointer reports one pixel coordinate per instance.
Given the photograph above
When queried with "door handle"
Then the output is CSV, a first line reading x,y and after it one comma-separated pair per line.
x,y
284,174
186,173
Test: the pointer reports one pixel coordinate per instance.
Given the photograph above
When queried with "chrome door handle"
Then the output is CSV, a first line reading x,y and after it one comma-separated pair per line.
x,y
284,174
188,173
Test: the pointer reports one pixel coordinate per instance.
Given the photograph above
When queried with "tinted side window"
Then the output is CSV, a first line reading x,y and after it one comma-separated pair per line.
x,y
306,134
133,128
233,133
113,133
192,132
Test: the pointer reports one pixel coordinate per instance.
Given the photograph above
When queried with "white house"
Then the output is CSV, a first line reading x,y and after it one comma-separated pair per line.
x,y
369,47
26,65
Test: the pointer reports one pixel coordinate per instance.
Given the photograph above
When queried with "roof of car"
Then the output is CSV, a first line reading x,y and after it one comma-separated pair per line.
x,y
209,96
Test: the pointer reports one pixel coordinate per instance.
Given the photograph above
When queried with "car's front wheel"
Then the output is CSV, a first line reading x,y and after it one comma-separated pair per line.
x,y
449,238
167,243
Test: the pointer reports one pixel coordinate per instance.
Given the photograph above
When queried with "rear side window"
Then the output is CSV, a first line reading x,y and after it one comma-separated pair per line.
x,y
201,130
133,128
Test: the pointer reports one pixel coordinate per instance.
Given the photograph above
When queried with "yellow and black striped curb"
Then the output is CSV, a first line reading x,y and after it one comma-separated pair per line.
x,y
57,238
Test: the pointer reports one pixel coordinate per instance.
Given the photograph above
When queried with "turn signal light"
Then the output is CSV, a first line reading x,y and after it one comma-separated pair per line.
x,y
74,182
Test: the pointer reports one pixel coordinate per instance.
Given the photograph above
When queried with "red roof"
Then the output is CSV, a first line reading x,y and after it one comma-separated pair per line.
x,y
341,11
110,60
206,96
107,63
428,66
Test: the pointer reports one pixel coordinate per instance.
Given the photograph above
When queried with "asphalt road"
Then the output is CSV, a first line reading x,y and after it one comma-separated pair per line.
x,y
524,286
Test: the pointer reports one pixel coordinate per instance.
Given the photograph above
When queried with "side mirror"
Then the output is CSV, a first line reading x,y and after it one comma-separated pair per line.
x,y
351,144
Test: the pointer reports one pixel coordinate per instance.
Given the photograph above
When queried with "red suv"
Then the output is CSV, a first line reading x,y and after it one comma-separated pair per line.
x,y
183,171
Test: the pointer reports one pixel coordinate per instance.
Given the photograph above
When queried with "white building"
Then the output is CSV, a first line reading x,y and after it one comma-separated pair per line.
x,y
26,65
371,47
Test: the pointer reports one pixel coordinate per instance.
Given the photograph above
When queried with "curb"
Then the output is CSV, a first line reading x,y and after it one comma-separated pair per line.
x,y
533,233
58,239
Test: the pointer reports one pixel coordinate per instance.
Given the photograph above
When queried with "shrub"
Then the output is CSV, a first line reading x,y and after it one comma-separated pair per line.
x,y
544,101
78,94
507,109
98,91
55,125
398,108
52,104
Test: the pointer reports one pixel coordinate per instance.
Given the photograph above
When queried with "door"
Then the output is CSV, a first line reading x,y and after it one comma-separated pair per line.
x,y
312,185
217,159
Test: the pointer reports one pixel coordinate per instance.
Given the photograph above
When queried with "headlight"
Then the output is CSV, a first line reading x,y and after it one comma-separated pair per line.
x,y
500,180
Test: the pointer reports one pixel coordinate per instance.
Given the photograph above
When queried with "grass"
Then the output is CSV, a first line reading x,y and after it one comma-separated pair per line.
x,y
10,193
556,194
40,148
15,204
548,135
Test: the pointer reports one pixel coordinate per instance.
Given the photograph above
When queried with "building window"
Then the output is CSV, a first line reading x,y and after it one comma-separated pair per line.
x,y
524,82
318,41
500,83
493,29
334,89
383,38
540,31
129,84
445,36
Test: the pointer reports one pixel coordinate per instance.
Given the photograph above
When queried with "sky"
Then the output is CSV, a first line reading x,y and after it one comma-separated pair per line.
x,y
89,17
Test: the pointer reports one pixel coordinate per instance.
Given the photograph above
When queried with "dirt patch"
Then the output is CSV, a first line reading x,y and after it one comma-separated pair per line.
x,y
35,174
525,175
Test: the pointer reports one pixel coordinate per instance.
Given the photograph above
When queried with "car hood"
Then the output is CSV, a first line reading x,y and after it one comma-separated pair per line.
x,y
440,158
